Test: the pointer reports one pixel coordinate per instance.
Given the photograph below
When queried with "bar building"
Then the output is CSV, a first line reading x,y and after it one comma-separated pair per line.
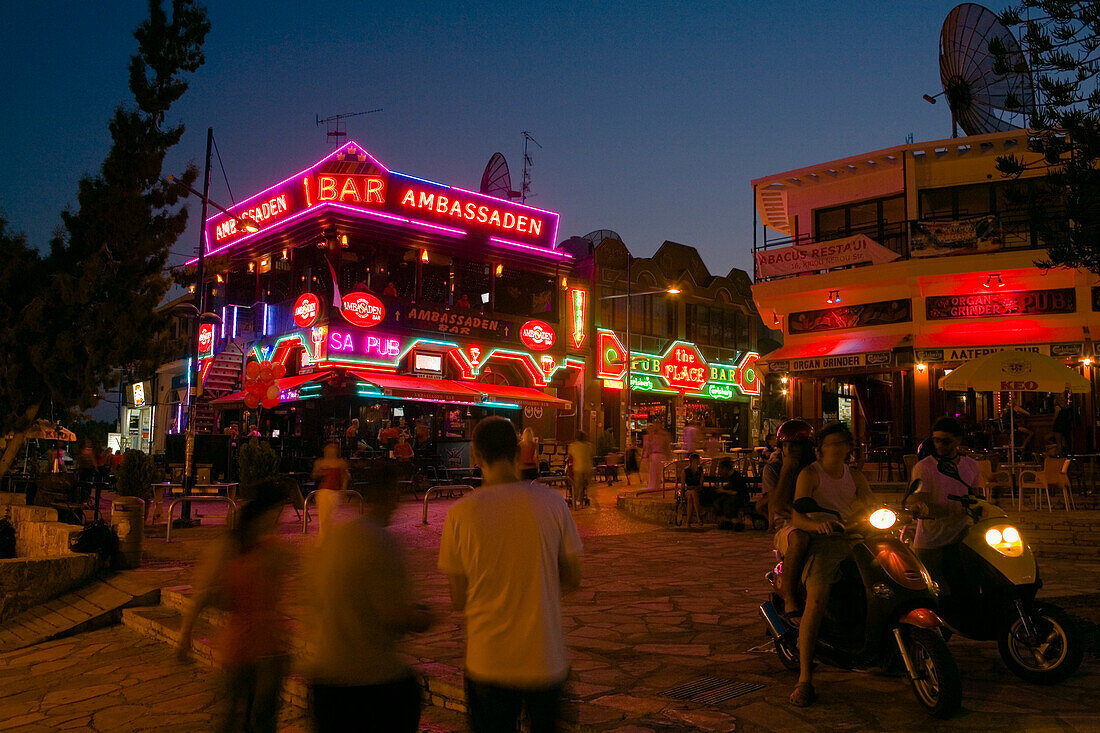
x,y
887,269
389,299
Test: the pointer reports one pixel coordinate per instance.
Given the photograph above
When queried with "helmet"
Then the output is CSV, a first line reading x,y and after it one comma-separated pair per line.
x,y
794,431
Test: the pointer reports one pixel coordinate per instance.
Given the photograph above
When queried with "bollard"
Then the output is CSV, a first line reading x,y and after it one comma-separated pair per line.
x,y
128,519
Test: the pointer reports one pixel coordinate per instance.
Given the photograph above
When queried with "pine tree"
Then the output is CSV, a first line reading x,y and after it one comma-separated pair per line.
x,y
1060,40
71,320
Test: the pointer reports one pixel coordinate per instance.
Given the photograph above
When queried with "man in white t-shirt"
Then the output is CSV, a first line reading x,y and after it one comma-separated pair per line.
x,y
937,539
509,550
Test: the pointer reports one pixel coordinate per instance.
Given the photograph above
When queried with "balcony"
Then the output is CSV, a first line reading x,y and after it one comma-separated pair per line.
x,y
912,239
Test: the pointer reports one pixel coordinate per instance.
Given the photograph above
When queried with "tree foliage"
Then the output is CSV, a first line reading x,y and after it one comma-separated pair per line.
x,y
1060,41
72,319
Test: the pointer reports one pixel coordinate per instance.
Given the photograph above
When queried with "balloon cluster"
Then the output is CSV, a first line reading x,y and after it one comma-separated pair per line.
x,y
261,383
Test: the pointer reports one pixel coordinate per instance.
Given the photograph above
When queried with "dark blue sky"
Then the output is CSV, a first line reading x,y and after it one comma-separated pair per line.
x,y
653,116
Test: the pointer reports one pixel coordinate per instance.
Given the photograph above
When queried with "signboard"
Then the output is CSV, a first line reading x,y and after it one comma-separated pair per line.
x,y
139,394
800,258
955,237
851,316
362,309
344,342
536,335
427,363
578,301
966,353
680,369
439,320
884,359
986,305
350,178
306,310
206,340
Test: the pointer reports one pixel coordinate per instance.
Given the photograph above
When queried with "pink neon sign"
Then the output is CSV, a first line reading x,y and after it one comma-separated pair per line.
x,y
351,177
352,343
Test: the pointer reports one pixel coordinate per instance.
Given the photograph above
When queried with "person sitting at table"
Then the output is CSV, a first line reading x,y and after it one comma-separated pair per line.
x,y
1021,416
387,436
403,451
729,495
423,432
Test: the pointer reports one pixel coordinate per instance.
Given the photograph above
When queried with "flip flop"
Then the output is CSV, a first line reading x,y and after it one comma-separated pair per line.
x,y
803,695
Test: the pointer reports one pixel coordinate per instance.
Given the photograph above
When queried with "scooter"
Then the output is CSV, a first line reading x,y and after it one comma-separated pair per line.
x,y
882,607
998,580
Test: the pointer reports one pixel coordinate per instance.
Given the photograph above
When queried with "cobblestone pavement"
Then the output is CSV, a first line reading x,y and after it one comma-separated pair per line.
x,y
659,607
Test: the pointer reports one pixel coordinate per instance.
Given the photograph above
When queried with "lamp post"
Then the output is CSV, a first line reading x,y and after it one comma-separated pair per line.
x,y
200,314
625,409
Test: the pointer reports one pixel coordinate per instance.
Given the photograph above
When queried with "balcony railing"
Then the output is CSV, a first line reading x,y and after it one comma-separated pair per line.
x,y
1017,231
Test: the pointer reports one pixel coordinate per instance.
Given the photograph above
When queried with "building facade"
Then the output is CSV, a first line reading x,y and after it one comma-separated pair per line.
x,y
692,353
886,270
387,299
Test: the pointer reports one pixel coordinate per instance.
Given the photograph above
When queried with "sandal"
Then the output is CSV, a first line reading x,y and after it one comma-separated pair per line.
x,y
803,695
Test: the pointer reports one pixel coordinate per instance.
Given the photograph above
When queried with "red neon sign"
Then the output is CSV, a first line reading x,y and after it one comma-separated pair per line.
x,y
579,300
537,335
610,356
458,209
353,189
306,310
206,338
684,368
362,309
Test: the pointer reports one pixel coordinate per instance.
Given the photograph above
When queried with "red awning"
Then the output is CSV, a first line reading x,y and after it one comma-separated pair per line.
x,y
522,396
1018,332
838,345
420,388
236,399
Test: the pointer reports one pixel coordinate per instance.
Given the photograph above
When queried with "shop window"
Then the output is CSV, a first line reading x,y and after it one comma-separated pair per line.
x,y
522,293
394,273
472,279
240,286
880,219
435,283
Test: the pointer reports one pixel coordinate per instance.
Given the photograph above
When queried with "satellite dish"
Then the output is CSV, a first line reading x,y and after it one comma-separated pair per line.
x,y
981,100
497,180
601,234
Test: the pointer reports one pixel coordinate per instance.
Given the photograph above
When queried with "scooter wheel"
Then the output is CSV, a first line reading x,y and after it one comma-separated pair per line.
x,y
938,685
1058,653
786,647
680,512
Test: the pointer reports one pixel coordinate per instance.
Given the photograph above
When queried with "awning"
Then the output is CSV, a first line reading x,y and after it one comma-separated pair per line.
x,y
952,344
420,388
842,351
522,396
236,399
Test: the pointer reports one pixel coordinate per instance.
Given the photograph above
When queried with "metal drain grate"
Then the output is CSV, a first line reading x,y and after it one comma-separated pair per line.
x,y
712,690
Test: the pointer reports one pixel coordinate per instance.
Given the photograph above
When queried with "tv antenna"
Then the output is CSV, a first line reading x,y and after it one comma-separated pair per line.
x,y
337,128
525,188
981,99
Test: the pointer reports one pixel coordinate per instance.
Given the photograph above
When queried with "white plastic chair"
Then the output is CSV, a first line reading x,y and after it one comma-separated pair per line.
x,y
988,480
1056,474
1032,479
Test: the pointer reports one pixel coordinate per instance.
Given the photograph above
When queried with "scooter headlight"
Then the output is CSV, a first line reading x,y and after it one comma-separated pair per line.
x,y
1005,540
883,519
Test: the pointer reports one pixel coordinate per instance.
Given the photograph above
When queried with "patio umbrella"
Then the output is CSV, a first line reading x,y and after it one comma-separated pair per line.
x,y
1015,371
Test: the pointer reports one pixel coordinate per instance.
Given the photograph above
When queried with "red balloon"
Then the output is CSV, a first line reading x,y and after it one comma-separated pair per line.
x,y
252,401
272,393
268,404
278,370
252,370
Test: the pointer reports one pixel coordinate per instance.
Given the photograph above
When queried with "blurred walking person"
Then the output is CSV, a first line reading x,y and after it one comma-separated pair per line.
x,y
528,455
245,572
333,473
656,449
364,605
509,551
582,457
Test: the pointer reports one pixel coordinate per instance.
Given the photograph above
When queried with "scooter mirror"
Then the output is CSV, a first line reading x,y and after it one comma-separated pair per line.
x,y
949,469
914,487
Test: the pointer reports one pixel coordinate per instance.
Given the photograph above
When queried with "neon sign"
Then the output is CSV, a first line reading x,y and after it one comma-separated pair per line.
x,y
206,339
458,209
362,309
350,178
537,335
579,300
680,369
350,343
306,310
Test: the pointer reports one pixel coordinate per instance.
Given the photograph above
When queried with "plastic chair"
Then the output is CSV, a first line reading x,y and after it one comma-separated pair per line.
x,y
1031,479
910,460
1056,474
988,480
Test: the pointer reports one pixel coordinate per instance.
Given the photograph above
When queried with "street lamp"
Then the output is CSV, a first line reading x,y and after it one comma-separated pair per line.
x,y
670,290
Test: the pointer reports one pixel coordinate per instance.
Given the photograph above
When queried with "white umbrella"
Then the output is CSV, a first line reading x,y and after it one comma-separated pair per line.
x,y
1015,371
